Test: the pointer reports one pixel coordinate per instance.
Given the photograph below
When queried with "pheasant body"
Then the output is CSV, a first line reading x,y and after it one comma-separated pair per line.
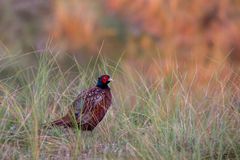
x,y
89,108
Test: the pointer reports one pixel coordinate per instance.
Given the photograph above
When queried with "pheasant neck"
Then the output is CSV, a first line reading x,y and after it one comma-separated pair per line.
x,y
101,85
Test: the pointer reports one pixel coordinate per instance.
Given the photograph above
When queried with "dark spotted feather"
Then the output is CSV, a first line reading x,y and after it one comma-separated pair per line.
x,y
88,109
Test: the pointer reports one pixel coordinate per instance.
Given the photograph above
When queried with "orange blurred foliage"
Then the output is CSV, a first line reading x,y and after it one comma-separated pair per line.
x,y
207,29
185,27
75,24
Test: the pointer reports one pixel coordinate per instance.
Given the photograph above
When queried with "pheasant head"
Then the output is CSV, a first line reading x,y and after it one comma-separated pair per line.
x,y
103,81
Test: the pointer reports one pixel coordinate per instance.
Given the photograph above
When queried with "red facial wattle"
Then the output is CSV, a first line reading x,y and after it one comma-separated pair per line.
x,y
104,80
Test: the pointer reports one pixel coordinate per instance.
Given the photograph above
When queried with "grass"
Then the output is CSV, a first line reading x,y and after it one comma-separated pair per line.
x,y
160,118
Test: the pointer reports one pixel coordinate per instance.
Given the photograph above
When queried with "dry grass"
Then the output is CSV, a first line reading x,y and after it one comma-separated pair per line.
x,y
151,118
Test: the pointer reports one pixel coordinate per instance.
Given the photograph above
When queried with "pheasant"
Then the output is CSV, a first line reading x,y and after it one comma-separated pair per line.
x,y
89,108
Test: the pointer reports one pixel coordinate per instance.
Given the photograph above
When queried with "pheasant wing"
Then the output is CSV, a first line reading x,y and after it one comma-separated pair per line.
x,y
94,109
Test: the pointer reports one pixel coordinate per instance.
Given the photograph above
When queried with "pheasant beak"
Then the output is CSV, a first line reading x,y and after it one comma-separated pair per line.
x,y
110,79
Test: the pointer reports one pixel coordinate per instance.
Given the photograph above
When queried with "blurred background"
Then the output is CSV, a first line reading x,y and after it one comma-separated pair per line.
x,y
197,36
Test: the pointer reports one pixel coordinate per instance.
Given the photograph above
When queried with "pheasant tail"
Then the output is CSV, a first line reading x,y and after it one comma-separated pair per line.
x,y
65,121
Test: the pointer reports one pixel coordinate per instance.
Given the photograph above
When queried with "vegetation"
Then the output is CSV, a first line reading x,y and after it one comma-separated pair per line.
x,y
165,117
176,91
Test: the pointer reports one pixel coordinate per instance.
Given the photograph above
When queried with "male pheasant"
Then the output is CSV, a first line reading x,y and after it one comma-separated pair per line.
x,y
89,108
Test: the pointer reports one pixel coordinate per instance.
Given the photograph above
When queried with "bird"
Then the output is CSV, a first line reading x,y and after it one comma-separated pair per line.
x,y
89,108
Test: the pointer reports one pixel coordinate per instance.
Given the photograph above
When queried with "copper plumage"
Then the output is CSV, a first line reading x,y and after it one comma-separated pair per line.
x,y
89,108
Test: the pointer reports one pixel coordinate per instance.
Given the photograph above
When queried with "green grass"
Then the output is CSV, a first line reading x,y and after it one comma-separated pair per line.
x,y
160,119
